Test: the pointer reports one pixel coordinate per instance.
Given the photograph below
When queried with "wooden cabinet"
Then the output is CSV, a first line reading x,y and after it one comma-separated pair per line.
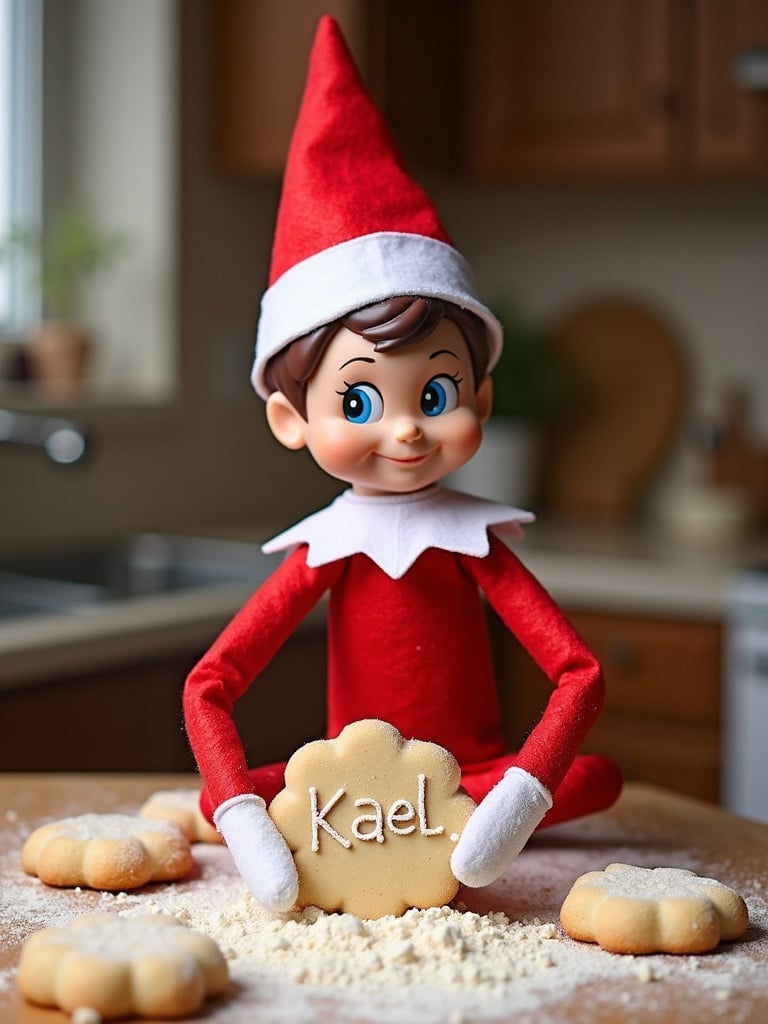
x,y
260,63
579,89
615,89
730,122
661,720
130,719
407,52
509,89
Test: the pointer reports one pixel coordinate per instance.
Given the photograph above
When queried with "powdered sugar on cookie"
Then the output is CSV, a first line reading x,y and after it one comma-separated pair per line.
x,y
146,966
181,806
107,851
630,909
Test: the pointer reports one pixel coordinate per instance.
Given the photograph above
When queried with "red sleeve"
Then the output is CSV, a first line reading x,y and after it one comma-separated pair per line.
x,y
235,659
535,620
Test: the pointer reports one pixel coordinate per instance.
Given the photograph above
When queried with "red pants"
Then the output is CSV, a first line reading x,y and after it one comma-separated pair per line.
x,y
591,784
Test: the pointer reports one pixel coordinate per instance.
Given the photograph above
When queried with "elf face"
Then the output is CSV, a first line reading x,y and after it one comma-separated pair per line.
x,y
389,423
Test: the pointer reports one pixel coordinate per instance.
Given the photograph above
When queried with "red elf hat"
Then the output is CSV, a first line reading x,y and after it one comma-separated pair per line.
x,y
352,226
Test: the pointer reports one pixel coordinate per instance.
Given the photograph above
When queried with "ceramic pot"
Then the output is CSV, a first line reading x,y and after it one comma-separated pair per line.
x,y
59,354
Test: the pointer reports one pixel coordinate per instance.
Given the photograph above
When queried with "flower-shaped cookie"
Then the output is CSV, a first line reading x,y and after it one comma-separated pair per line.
x,y
627,909
107,851
371,819
149,966
183,807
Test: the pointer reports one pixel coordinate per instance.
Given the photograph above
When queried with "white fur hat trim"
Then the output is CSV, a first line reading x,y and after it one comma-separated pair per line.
x,y
366,269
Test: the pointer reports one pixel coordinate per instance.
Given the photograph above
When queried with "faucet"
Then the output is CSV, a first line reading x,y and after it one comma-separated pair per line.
x,y
61,439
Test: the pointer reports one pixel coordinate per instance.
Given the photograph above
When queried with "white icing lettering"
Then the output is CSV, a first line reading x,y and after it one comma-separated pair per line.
x,y
422,805
376,819
400,818
400,812
318,819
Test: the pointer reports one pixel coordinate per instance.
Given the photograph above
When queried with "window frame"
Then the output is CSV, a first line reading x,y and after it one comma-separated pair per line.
x,y
22,125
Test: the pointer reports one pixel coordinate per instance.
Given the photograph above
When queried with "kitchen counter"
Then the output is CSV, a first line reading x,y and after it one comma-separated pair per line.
x,y
582,985
51,646
625,570
120,634
636,570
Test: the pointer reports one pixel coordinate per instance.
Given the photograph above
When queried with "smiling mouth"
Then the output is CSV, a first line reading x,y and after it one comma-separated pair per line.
x,y
414,460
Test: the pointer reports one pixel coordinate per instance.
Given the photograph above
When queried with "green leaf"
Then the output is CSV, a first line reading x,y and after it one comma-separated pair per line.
x,y
74,250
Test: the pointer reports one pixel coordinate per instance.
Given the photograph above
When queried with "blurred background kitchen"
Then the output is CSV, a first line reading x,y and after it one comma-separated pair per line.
x,y
603,166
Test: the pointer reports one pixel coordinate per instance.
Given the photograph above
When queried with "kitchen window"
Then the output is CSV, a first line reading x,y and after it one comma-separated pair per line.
x,y
88,121
21,129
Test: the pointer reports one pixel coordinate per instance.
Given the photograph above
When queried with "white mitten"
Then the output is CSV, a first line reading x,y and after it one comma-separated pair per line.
x,y
499,828
260,853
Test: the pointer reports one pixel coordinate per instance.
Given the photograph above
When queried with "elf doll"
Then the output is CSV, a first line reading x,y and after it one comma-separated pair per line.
x,y
374,352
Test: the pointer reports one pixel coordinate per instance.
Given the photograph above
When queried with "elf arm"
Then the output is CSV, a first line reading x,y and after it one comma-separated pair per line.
x,y
509,814
235,659
545,633
224,674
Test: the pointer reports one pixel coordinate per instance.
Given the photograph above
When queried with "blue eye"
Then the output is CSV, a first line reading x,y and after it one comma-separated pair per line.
x,y
441,394
362,403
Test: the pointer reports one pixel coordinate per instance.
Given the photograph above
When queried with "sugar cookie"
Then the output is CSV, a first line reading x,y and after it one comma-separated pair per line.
x,y
627,909
148,966
107,851
183,807
372,819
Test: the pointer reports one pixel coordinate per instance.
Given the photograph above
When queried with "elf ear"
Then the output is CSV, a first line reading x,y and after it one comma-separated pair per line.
x,y
484,398
288,426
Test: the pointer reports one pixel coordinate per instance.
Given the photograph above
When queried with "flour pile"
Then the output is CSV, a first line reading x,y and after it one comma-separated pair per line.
x,y
447,965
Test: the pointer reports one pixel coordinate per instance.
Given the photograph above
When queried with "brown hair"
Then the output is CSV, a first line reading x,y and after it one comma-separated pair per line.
x,y
389,325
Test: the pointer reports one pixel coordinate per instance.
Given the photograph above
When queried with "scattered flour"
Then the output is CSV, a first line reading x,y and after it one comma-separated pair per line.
x,y
500,956
447,965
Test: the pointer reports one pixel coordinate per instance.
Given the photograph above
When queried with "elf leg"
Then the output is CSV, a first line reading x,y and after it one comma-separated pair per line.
x,y
591,784
513,804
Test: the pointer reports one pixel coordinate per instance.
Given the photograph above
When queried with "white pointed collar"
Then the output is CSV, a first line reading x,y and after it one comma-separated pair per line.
x,y
393,530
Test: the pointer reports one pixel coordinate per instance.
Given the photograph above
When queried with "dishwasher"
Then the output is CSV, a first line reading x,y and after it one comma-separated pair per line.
x,y
745,707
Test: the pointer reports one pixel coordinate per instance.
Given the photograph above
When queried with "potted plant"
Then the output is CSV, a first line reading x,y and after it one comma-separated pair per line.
x,y
75,250
530,385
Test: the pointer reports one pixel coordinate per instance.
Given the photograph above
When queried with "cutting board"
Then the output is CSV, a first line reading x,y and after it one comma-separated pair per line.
x,y
629,377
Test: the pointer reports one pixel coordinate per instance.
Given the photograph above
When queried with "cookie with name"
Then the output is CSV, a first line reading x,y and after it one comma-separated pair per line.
x,y
372,819
183,807
147,966
628,909
107,851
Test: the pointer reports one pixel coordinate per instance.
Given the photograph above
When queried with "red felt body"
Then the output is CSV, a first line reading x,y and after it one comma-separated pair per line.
x,y
413,652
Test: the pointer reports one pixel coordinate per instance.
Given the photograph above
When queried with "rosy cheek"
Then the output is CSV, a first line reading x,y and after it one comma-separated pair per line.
x,y
463,431
336,444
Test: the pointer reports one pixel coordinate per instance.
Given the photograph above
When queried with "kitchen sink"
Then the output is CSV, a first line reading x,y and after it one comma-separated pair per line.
x,y
86,579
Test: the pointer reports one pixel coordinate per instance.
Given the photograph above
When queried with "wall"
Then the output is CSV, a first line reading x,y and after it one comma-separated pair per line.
x,y
699,254
110,145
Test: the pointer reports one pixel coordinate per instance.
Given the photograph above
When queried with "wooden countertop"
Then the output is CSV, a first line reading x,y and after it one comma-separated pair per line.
x,y
648,826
